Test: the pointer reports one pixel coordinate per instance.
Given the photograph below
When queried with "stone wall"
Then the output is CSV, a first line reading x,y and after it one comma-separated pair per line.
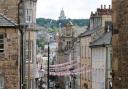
x,y
9,59
120,44
9,8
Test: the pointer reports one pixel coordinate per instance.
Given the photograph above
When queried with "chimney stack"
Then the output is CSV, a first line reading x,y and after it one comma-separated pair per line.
x,y
101,6
91,13
104,6
109,6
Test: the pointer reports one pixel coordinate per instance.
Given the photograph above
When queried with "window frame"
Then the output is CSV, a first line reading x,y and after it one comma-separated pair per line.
x,y
28,15
27,51
2,43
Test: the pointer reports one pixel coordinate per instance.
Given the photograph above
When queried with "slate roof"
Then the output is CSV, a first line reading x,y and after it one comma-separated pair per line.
x,y
105,39
6,22
89,32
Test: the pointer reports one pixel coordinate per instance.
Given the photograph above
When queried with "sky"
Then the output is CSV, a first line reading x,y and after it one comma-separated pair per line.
x,y
74,9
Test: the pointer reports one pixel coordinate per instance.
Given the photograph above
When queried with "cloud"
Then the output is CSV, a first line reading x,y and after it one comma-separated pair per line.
x,y
72,8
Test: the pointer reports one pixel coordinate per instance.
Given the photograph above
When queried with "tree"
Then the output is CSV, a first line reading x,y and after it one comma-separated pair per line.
x,y
41,42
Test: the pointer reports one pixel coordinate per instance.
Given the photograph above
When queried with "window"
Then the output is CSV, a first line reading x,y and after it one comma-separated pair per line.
x,y
81,51
28,15
68,45
1,43
68,32
89,53
85,52
89,72
29,48
30,83
82,72
110,60
1,82
85,73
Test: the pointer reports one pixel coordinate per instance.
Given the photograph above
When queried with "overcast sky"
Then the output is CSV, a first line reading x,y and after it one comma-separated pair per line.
x,y
77,9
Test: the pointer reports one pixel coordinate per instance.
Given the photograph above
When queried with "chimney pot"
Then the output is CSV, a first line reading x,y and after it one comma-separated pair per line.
x,y
104,6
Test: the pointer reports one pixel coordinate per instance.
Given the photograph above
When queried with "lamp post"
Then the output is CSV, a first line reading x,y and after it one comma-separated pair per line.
x,y
48,64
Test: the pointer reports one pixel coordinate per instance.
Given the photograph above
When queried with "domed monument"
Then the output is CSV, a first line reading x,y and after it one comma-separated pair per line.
x,y
62,15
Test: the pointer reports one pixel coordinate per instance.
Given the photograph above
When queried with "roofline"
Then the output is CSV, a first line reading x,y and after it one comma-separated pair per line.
x,y
12,22
101,45
85,36
9,26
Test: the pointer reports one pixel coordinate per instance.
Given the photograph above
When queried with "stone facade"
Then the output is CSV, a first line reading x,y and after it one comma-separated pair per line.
x,y
120,44
9,8
24,13
9,60
85,58
64,45
10,54
101,62
29,18
99,21
9,57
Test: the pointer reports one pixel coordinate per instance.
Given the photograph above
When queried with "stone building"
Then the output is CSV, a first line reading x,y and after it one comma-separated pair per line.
x,y
9,54
9,8
101,62
28,9
98,21
100,56
17,24
9,45
64,45
120,44
85,60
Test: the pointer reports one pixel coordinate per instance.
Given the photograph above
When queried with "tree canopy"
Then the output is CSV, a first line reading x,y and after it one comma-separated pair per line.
x,y
50,23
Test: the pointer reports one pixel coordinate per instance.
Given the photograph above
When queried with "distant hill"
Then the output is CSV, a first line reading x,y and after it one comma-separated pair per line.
x,y
55,23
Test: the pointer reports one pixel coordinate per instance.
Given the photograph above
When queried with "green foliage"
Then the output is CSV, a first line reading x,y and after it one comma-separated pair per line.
x,y
46,22
53,30
50,23
80,22
41,42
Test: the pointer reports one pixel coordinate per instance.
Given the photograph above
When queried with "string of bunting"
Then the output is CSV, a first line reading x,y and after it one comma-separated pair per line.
x,y
66,69
64,64
77,71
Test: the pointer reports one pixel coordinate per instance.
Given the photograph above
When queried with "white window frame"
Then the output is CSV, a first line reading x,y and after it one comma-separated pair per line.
x,y
28,15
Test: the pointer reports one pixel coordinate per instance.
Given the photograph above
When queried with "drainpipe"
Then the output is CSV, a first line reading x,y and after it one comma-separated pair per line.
x,y
21,28
91,67
21,46
80,64
106,69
